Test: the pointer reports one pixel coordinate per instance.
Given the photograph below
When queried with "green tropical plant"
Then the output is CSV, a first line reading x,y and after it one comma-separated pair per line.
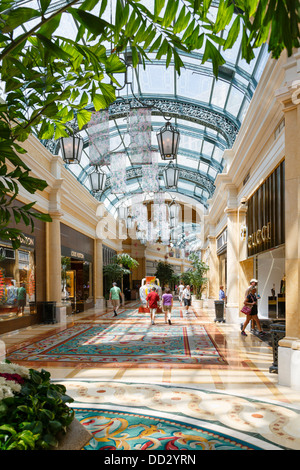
x,y
50,80
125,260
120,266
165,273
197,276
186,277
35,417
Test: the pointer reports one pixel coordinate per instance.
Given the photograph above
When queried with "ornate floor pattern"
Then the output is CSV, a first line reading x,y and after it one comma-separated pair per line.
x,y
116,343
123,415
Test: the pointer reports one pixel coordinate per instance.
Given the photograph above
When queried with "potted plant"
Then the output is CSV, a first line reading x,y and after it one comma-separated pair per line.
x,y
34,414
120,266
197,277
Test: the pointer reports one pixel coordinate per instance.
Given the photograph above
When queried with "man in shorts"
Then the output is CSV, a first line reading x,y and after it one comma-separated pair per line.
x,y
114,297
152,299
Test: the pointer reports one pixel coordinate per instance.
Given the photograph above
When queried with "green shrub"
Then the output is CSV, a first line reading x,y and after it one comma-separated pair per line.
x,y
34,418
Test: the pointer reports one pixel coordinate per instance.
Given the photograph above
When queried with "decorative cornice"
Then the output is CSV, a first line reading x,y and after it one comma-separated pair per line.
x,y
181,109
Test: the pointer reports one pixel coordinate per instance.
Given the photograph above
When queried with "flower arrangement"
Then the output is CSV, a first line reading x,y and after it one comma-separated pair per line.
x,y
33,411
12,376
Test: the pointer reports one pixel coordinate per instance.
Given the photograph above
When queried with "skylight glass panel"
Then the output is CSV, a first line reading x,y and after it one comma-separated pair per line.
x,y
75,169
207,148
198,191
85,161
218,154
194,86
234,101
189,142
155,79
244,110
203,167
212,172
186,186
261,63
220,92
190,162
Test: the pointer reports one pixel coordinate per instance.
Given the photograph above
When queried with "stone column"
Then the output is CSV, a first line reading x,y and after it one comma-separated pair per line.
x,y
289,347
213,273
232,306
54,292
54,265
98,274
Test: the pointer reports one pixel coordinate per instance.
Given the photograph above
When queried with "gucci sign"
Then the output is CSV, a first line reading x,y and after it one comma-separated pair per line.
x,y
260,236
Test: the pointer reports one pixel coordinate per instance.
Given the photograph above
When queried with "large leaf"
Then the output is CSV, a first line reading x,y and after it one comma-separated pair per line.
x,y
17,17
212,53
92,23
53,48
83,117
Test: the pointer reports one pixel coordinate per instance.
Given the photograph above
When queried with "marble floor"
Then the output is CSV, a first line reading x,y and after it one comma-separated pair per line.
x,y
242,377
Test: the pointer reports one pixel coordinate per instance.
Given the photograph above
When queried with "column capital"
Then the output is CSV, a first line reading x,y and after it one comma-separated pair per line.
x,y
231,210
56,214
289,95
243,209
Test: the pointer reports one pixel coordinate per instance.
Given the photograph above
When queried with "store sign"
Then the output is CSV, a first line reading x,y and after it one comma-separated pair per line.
x,y
260,236
76,254
266,214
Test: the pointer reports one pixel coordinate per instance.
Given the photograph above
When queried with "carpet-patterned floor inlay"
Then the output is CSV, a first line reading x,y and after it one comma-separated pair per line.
x,y
177,314
136,415
127,344
115,430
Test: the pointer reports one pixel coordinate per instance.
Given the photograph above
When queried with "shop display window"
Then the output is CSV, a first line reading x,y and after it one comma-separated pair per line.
x,y
76,281
17,270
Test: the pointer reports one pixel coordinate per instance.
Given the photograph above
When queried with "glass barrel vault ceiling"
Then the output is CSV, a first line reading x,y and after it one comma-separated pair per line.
x,y
207,112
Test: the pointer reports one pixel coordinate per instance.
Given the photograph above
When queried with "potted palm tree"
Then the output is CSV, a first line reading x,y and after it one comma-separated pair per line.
x,y
198,278
120,266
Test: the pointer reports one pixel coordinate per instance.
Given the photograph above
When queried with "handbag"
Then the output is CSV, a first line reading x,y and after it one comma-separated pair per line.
x,y
246,309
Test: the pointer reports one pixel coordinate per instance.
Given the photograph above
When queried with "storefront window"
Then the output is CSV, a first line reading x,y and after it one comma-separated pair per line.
x,y
17,280
76,281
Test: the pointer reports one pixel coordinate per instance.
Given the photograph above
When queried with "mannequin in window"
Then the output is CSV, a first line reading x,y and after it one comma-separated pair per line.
x,y
11,293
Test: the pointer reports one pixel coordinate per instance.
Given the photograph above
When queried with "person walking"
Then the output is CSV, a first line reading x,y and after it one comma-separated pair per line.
x,y
251,301
252,283
114,297
152,303
180,292
21,298
187,298
167,303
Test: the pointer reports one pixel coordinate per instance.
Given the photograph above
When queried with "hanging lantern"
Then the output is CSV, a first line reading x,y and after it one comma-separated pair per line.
x,y
171,175
168,141
71,149
97,180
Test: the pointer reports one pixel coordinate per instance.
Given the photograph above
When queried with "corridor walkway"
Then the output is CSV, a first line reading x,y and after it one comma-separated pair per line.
x,y
193,371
